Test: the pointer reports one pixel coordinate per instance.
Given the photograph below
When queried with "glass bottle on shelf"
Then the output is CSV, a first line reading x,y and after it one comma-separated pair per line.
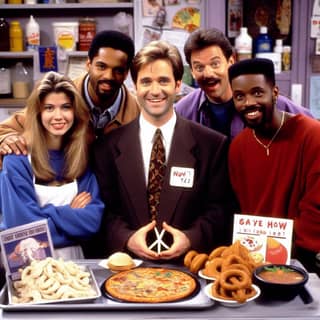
x,y
286,58
4,35
5,82
20,81
263,43
243,44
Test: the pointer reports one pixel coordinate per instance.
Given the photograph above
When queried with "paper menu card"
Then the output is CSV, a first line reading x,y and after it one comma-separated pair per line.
x,y
268,239
22,244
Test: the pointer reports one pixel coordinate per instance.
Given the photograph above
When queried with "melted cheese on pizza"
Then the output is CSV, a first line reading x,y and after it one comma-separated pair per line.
x,y
150,285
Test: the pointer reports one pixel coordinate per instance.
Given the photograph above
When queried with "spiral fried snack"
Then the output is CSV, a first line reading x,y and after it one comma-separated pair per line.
x,y
52,279
233,284
220,259
235,256
231,266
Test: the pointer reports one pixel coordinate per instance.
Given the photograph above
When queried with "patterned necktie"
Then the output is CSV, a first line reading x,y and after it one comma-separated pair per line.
x,y
157,170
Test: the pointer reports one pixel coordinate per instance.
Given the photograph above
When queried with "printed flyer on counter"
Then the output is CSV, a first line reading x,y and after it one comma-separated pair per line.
x,y
268,239
20,245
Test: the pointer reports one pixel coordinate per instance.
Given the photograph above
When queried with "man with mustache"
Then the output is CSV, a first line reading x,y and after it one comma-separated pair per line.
x,y
192,193
274,163
102,87
209,55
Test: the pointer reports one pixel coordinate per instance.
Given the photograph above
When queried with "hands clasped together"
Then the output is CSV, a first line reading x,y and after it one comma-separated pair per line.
x,y
138,245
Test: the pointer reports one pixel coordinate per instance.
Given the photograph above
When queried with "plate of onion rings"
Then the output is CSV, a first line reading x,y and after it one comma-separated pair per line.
x,y
230,302
203,276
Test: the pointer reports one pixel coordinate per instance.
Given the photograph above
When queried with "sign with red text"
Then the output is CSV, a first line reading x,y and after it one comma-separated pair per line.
x,y
268,239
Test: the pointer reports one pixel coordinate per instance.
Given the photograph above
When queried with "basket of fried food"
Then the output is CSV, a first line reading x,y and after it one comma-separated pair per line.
x,y
53,281
231,267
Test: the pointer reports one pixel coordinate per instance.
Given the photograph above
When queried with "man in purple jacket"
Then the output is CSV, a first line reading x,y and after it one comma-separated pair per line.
x,y
210,54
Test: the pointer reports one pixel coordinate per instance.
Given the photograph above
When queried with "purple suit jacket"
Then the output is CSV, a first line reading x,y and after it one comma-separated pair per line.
x,y
202,211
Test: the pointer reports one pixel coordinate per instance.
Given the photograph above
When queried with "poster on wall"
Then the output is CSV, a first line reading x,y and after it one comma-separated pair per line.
x,y
160,18
151,7
187,19
234,18
276,15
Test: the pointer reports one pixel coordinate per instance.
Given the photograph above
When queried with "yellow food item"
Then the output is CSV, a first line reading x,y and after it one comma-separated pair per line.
x,y
119,261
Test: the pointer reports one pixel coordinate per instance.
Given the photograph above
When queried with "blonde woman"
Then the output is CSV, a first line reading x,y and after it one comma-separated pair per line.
x,y
53,182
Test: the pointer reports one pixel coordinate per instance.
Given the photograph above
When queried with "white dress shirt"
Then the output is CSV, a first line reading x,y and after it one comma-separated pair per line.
x,y
147,131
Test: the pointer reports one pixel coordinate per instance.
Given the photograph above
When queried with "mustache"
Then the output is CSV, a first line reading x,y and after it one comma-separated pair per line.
x,y
109,82
210,80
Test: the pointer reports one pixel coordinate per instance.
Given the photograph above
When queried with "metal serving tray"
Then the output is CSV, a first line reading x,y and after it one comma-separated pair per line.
x,y
199,301
93,283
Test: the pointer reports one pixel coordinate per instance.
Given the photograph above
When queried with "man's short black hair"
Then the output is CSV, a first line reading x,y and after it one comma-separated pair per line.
x,y
112,39
253,66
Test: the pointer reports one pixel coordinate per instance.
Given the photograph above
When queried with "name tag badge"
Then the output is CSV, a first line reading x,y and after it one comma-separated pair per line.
x,y
181,177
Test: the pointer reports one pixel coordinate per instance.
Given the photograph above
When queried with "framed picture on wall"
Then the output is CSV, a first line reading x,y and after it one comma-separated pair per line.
x,y
234,17
151,7
276,15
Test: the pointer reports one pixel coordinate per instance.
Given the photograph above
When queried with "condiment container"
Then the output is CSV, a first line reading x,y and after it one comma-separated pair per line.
x,y
243,45
66,35
286,58
263,43
20,81
32,34
16,36
5,83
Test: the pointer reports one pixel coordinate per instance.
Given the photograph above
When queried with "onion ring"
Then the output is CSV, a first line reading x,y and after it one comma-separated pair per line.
x,y
235,279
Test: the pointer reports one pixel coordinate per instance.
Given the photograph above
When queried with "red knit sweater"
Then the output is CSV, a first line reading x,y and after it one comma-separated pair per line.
x,y
285,184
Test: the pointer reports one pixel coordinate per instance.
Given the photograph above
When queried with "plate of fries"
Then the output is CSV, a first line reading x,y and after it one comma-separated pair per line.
x,y
53,281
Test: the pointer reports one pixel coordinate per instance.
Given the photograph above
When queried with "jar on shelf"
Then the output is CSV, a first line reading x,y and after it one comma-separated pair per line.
x,y
5,82
16,36
87,31
286,58
20,81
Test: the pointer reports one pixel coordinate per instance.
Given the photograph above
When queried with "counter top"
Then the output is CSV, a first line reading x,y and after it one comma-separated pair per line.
x,y
294,309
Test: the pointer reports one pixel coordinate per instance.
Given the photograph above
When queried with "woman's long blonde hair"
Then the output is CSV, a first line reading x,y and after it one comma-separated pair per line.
x,y
74,141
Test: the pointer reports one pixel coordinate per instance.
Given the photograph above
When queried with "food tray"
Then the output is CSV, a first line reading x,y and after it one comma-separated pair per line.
x,y
93,283
199,301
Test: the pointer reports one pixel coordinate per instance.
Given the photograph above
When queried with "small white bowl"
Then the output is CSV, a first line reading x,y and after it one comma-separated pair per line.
x,y
230,303
203,276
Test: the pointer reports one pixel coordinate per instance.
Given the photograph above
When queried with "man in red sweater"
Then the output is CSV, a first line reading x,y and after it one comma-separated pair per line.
x,y
274,162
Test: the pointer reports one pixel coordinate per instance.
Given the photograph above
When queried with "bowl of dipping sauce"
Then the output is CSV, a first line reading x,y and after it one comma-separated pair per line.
x,y
280,281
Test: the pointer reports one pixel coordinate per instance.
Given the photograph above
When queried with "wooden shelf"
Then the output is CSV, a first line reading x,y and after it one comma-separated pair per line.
x,y
11,103
46,6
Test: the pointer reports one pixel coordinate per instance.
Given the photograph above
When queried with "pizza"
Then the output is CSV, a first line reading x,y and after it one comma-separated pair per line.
x,y
150,285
